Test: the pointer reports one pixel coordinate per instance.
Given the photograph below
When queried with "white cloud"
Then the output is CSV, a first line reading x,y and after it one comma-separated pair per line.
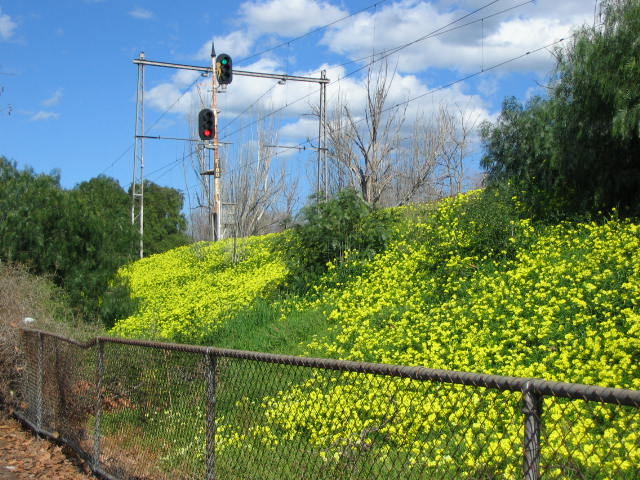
x,y
141,13
45,115
292,133
7,26
237,44
53,99
467,49
168,97
288,18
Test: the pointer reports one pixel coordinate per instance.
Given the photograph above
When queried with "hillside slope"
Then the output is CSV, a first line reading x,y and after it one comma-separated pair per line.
x,y
458,288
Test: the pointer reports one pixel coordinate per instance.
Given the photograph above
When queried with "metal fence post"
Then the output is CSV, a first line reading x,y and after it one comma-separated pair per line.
x,y
97,431
211,361
532,403
40,382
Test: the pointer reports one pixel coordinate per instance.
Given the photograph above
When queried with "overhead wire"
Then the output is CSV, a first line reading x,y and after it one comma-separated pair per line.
x,y
439,31
167,110
250,106
381,55
315,30
483,70
374,59
435,33
465,78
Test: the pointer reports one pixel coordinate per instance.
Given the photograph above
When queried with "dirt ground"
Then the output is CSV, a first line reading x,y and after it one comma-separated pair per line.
x,y
24,456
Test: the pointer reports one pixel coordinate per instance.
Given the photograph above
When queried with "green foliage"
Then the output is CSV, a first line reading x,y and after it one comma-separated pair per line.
x,y
577,151
165,226
519,156
80,237
466,284
31,207
188,293
263,326
331,230
98,240
552,302
117,302
597,107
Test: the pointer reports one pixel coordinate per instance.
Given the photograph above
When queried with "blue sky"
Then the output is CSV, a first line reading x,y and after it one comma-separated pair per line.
x,y
68,79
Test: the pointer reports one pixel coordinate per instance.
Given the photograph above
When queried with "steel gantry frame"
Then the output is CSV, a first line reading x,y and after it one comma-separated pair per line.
x,y
138,155
137,184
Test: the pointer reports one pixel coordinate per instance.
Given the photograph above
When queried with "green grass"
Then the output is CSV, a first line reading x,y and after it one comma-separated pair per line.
x,y
263,327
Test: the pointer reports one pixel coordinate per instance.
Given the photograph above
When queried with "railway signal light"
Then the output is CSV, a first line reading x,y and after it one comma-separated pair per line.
x,y
206,124
224,72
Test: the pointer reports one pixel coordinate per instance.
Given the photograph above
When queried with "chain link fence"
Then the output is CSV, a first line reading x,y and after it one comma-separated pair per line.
x,y
146,410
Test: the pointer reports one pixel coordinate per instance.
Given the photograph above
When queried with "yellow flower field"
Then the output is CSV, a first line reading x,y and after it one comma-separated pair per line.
x,y
555,302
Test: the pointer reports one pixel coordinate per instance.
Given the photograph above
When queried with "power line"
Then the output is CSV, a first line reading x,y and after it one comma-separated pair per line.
x,y
301,146
479,72
435,33
438,31
380,56
250,106
465,78
130,147
120,157
288,42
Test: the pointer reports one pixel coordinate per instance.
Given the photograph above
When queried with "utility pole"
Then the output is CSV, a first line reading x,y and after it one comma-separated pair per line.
x,y
215,213
137,185
322,136
216,170
217,204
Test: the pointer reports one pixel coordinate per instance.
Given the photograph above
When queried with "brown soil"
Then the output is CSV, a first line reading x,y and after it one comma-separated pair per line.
x,y
24,456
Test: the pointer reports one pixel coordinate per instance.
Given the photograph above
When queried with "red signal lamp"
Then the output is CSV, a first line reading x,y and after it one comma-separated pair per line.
x,y
206,124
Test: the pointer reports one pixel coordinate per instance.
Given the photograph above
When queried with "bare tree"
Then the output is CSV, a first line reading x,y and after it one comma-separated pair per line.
x,y
432,165
456,131
258,191
360,148
370,154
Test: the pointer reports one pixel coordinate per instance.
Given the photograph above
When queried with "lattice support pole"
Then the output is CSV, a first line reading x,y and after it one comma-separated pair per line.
x,y
532,410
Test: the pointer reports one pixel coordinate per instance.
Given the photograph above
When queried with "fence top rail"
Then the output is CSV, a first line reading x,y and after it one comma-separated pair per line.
x,y
617,396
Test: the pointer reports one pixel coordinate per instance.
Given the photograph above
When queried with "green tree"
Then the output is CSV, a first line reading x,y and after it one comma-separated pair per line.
x,y
99,239
519,152
31,208
165,227
597,109
79,237
327,230
578,150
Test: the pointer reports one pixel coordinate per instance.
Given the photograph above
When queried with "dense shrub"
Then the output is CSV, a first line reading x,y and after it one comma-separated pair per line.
x,y
559,303
331,230
464,285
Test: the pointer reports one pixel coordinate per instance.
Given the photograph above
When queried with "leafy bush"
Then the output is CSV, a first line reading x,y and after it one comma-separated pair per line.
x,y
465,285
576,151
332,230
556,302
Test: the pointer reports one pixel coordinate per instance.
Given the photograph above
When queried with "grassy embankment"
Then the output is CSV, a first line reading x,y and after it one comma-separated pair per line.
x,y
463,285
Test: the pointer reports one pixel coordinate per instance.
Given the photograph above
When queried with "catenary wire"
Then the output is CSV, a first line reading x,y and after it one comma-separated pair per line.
x,y
315,30
438,31
184,92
